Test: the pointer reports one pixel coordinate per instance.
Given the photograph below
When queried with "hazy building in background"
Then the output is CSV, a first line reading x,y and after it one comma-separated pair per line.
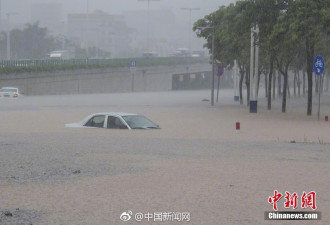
x,y
130,34
153,32
101,30
162,29
159,31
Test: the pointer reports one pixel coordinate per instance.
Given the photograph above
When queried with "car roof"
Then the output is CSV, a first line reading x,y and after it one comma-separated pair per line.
x,y
9,88
115,114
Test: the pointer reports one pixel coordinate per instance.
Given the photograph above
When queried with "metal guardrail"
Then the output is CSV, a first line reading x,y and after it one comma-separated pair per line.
x,y
76,63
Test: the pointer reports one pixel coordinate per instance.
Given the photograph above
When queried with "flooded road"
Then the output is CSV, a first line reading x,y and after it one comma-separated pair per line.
x,y
196,165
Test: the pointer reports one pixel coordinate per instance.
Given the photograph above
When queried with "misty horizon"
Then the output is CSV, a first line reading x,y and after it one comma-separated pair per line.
x,y
23,9
165,27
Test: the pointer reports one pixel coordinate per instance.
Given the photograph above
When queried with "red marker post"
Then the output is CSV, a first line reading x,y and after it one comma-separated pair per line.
x,y
326,118
238,127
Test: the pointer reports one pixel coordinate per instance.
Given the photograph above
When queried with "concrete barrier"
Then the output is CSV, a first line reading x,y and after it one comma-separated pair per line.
x,y
107,80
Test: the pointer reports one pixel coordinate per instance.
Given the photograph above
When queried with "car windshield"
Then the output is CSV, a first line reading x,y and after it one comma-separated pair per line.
x,y
139,122
12,90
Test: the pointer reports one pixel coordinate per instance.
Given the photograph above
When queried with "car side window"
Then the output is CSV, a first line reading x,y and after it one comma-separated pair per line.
x,y
115,123
96,121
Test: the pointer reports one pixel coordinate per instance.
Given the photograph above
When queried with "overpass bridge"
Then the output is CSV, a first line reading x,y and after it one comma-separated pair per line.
x,y
52,77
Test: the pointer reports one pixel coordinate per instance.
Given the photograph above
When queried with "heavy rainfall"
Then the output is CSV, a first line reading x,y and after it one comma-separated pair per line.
x,y
164,112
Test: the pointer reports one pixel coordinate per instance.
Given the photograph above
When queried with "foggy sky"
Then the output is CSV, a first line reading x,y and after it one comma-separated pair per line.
x,y
23,7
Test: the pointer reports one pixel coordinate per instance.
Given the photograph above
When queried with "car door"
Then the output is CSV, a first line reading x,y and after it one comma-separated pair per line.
x,y
115,122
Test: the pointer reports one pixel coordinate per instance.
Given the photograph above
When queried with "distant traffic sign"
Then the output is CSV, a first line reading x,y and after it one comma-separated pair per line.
x,y
133,63
318,65
220,70
219,66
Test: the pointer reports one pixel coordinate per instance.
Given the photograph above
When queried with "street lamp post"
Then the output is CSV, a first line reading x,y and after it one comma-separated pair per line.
x,y
148,18
0,14
189,36
8,34
87,29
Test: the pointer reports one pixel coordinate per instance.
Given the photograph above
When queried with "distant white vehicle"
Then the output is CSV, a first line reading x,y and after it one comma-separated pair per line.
x,y
62,54
195,55
9,92
115,120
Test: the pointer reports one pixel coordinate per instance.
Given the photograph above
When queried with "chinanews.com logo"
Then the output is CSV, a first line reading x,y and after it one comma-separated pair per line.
x,y
292,201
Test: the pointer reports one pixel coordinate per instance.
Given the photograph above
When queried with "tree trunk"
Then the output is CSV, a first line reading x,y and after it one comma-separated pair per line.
x,y
298,82
241,85
304,82
266,86
247,83
295,83
279,82
269,91
284,72
274,83
285,86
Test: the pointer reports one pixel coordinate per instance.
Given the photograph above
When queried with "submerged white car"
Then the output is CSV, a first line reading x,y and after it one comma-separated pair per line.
x,y
115,120
9,92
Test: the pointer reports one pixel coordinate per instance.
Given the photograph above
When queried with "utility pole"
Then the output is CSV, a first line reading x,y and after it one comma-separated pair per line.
x,y
0,14
236,97
87,28
148,18
189,35
254,69
63,35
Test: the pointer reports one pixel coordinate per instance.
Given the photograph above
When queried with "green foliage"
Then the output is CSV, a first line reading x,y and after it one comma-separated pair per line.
x,y
283,24
290,32
306,19
231,30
